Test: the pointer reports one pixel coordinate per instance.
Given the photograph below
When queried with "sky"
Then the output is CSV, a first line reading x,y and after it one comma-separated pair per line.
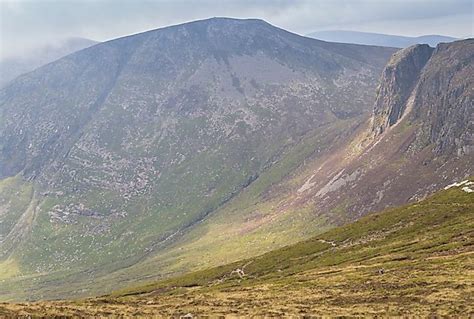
x,y
25,24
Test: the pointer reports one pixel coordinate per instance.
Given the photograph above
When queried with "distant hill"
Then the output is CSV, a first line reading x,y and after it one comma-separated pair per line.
x,y
386,40
12,67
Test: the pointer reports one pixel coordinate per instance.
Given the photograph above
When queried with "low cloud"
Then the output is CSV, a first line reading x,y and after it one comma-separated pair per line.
x,y
27,23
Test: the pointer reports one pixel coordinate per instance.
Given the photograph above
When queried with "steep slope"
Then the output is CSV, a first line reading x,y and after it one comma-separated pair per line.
x,y
12,67
131,143
419,138
386,40
398,81
413,260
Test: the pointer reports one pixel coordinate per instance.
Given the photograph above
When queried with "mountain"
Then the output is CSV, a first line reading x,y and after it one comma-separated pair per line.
x,y
215,141
389,159
364,170
413,258
13,66
111,156
385,40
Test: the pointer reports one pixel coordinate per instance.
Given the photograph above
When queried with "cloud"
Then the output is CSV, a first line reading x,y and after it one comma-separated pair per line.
x,y
28,23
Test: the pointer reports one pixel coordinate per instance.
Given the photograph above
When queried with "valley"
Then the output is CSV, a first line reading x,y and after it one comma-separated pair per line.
x,y
414,260
230,167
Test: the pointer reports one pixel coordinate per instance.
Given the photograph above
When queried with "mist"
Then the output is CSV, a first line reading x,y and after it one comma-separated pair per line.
x,y
27,25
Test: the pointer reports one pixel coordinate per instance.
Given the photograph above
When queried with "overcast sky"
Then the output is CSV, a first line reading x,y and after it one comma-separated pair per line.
x,y
27,23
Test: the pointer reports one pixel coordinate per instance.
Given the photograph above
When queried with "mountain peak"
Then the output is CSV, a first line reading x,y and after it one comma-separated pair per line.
x,y
230,20
214,24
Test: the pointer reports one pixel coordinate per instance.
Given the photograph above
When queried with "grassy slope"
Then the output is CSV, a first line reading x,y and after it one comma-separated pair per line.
x,y
249,224
415,259
191,251
16,199
15,196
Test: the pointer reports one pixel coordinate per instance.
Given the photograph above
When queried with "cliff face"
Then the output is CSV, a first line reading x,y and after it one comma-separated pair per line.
x,y
420,137
399,78
444,98
434,88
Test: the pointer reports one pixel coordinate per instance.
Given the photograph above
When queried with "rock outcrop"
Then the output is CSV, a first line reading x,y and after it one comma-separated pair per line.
x,y
398,80
434,88
444,100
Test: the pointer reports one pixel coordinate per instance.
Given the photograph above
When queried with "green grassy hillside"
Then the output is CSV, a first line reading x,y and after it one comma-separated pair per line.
x,y
207,244
411,260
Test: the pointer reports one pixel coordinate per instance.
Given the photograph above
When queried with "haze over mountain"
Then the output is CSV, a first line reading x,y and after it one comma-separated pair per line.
x,y
209,142
386,40
13,66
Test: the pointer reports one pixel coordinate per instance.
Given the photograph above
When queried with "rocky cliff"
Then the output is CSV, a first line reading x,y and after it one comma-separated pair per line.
x,y
420,136
444,100
434,88
398,80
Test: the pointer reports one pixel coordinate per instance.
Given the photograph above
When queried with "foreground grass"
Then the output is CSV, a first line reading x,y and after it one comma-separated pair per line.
x,y
413,260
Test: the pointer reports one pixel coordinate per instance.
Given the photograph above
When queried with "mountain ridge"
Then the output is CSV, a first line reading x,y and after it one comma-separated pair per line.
x,y
370,38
